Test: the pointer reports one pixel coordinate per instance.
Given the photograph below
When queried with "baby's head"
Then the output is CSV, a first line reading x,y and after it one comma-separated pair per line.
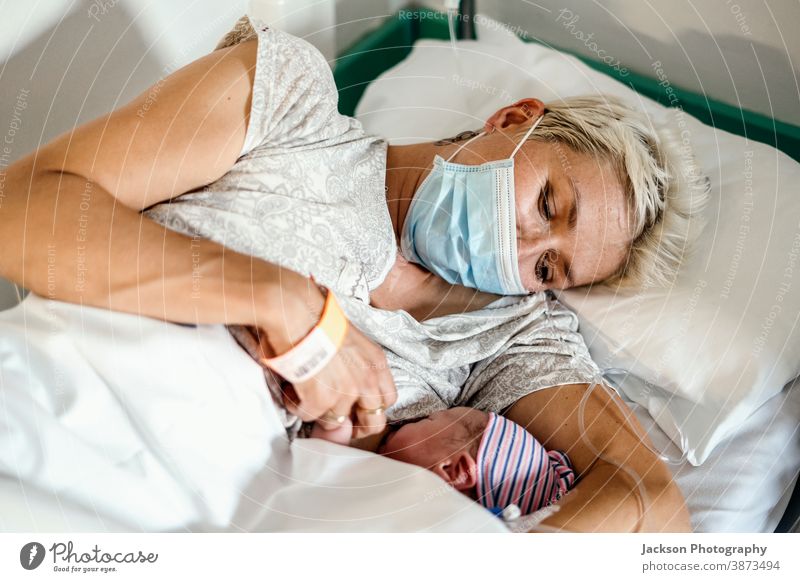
x,y
446,442
485,456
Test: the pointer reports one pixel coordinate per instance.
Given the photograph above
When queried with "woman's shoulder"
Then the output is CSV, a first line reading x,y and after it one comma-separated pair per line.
x,y
295,99
242,31
281,43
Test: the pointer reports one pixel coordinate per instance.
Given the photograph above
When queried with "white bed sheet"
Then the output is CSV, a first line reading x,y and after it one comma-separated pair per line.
x,y
110,421
746,482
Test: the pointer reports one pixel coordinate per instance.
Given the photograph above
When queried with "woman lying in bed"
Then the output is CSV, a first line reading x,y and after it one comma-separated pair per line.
x,y
261,185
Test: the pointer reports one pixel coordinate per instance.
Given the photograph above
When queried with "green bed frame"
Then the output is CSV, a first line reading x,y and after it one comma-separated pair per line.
x,y
383,48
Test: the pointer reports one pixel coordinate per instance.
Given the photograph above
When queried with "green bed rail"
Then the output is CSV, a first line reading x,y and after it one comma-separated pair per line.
x,y
383,48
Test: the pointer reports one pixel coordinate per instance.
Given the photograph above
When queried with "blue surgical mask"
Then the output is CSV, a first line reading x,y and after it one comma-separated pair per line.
x,y
462,224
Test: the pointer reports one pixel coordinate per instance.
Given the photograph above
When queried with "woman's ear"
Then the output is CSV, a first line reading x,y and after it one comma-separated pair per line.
x,y
516,114
460,471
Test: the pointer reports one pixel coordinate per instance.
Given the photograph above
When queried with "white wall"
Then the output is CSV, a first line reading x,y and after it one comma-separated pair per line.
x,y
330,25
76,59
742,52
68,61
354,18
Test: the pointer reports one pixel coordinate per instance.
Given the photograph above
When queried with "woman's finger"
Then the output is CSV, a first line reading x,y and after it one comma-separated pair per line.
x,y
290,397
336,416
370,415
314,399
386,384
340,435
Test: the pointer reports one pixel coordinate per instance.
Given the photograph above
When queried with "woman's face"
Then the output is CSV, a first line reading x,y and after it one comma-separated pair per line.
x,y
571,211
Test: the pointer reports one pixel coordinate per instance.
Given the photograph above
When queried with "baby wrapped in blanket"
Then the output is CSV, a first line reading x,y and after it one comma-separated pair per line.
x,y
483,455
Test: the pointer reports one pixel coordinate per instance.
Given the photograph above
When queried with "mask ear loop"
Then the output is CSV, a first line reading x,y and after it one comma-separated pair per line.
x,y
516,149
527,135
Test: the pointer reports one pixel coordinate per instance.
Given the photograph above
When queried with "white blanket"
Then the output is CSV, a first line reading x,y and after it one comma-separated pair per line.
x,y
110,422
153,426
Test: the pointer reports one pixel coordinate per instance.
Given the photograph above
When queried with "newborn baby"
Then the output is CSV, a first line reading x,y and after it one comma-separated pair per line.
x,y
485,456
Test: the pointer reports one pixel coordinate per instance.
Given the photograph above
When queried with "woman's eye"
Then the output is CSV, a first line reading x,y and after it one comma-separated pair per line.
x,y
546,267
543,270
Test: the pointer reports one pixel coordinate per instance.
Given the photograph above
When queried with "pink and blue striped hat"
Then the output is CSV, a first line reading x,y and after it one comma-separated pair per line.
x,y
514,468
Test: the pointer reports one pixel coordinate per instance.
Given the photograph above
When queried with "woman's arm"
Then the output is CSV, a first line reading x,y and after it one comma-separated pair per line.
x,y
70,228
605,498
70,225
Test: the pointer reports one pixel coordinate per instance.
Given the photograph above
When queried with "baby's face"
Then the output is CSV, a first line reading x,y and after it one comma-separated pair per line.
x,y
429,441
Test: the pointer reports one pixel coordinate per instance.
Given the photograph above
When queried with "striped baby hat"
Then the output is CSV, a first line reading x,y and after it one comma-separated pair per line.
x,y
514,468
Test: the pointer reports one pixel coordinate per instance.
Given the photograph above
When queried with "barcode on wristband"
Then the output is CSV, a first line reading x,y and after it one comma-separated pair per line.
x,y
305,359
314,360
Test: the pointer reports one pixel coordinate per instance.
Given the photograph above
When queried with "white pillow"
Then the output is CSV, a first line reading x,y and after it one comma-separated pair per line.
x,y
724,339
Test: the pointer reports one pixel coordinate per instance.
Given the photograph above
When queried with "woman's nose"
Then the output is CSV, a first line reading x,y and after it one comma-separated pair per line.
x,y
535,243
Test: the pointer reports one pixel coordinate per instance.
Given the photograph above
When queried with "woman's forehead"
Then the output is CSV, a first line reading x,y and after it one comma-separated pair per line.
x,y
554,161
602,234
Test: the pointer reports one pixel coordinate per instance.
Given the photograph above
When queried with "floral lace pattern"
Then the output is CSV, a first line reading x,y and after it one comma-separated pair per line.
x,y
307,192
486,359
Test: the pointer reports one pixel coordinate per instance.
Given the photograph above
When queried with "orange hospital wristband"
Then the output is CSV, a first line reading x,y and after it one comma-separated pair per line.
x,y
316,349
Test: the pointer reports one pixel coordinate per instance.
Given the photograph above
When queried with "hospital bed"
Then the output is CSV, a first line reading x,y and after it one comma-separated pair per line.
x,y
720,491
147,443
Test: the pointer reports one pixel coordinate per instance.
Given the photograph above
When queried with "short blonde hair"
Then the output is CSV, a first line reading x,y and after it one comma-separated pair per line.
x,y
664,187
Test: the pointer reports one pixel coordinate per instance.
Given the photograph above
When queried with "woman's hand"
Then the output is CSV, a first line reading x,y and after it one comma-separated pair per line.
x,y
355,384
340,435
